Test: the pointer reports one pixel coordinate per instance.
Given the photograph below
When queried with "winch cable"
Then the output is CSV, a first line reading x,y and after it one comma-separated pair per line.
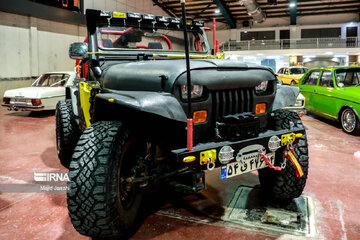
x,y
188,78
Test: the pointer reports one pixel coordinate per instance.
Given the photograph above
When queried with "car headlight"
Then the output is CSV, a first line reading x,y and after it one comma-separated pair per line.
x,y
261,88
196,91
299,103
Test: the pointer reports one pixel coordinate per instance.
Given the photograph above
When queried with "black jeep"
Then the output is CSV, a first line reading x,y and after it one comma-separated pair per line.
x,y
123,128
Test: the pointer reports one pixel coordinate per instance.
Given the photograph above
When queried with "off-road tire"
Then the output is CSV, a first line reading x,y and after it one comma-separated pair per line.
x,y
67,131
100,160
283,186
356,129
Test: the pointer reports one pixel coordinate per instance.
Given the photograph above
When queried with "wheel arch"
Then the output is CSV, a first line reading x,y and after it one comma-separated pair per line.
x,y
343,108
163,117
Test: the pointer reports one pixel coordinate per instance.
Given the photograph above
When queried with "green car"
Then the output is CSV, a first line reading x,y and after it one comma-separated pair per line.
x,y
334,93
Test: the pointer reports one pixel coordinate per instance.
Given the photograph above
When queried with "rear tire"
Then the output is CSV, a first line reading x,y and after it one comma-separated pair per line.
x,y
67,131
283,186
100,203
350,122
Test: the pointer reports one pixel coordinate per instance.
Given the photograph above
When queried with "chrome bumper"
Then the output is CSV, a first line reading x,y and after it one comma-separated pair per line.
x,y
17,107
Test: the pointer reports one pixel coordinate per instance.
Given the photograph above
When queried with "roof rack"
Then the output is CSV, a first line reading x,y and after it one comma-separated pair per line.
x,y
133,19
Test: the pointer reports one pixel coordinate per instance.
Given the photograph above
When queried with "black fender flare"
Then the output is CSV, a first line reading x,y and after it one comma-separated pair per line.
x,y
285,96
157,103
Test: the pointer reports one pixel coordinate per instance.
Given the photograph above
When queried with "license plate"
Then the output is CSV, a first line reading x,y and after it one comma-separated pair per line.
x,y
250,164
20,100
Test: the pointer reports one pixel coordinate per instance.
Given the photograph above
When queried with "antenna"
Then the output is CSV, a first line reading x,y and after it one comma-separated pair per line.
x,y
188,78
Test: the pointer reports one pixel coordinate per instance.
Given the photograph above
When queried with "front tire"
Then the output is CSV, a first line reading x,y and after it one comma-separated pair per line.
x,y
283,186
350,122
67,131
100,203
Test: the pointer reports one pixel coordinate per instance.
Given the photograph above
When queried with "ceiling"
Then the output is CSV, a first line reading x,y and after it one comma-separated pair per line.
x,y
233,12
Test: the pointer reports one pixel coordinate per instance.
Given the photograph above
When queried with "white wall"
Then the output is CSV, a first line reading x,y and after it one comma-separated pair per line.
x,y
30,46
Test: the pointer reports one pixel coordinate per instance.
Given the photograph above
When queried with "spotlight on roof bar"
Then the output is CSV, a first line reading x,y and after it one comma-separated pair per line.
x,y
217,10
292,5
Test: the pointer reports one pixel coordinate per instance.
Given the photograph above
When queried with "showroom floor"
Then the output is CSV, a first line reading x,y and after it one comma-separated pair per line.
x,y
27,145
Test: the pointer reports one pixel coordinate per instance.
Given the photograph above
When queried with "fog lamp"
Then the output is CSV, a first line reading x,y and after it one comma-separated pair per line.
x,y
274,143
226,154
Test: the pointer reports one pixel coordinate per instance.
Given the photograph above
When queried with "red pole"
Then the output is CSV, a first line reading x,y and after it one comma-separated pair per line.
x,y
214,35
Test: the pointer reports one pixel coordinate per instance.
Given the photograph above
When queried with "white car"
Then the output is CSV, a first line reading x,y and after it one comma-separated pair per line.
x,y
43,94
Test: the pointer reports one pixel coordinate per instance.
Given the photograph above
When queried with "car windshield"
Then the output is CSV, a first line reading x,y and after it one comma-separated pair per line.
x,y
130,38
298,70
51,80
347,77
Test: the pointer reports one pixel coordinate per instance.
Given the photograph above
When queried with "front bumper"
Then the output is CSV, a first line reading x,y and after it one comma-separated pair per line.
x,y
25,106
262,139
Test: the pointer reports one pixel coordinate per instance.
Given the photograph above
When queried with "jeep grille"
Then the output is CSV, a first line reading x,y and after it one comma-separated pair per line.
x,y
231,101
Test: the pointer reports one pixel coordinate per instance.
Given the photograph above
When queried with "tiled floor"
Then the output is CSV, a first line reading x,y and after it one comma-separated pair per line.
x,y
27,144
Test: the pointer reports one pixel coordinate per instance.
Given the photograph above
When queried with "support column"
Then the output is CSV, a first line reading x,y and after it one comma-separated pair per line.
x,y
34,48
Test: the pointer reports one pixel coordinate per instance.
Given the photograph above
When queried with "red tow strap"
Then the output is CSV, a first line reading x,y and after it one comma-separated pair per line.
x,y
290,155
276,168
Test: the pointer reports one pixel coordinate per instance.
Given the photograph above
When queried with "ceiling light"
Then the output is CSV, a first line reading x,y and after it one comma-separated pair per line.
x,y
309,56
292,5
217,10
340,56
260,54
329,53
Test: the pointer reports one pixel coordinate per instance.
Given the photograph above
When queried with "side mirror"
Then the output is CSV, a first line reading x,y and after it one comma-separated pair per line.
x,y
78,50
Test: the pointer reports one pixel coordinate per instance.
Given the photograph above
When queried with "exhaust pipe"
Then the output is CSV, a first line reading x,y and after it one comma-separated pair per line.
x,y
254,10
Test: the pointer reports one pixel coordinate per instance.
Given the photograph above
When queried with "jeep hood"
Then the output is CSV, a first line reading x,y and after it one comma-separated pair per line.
x,y
161,75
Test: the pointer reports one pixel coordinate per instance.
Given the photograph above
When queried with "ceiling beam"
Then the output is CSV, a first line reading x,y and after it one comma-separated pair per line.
x,y
164,8
225,11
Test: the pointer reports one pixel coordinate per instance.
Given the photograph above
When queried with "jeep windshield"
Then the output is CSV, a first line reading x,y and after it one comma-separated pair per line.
x,y
132,38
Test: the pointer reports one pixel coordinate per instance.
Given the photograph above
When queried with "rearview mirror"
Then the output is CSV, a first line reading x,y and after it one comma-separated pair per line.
x,y
78,50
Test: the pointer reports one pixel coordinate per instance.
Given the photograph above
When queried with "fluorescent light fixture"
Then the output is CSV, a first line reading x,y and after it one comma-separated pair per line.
x,y
329,53
245,31
273,57
249,57
260,54
292,5
309,56
217,10
340,56
335,59
307,59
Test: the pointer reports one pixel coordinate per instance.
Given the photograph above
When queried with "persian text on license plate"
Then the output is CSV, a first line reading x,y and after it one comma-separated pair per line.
x,y
20,100
236,168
